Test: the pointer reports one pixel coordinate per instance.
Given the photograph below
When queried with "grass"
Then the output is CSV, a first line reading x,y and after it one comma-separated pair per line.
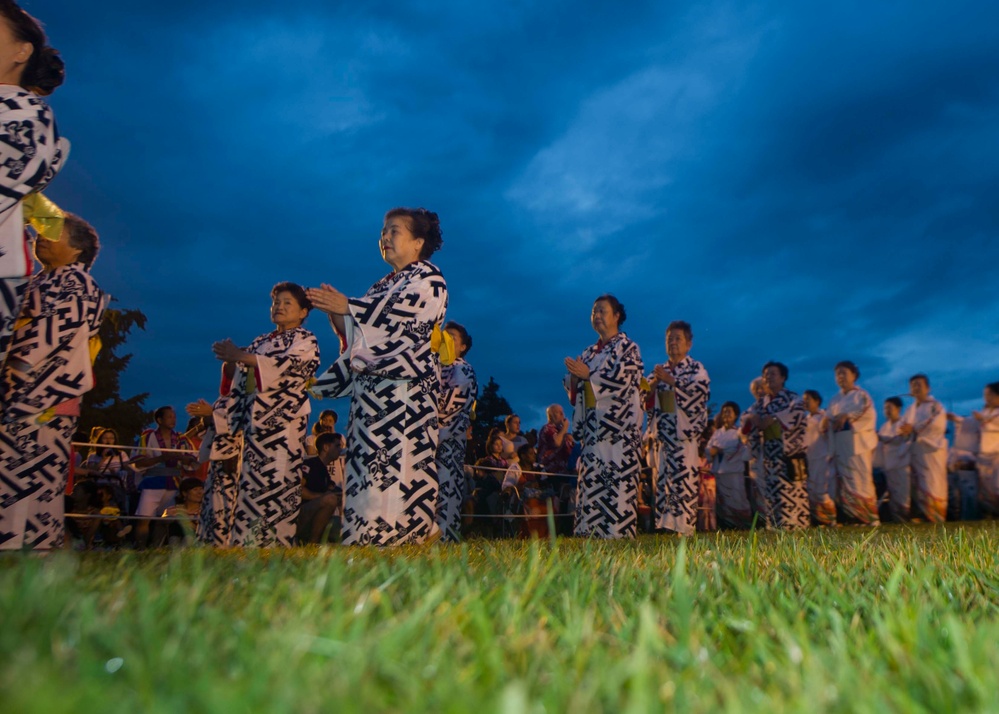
x,y
897,619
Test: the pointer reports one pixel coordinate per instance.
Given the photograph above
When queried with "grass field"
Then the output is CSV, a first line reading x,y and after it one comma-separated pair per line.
x,y
898,619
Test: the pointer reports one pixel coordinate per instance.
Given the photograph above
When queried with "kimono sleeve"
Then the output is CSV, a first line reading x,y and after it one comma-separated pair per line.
x,y
52,324
693,390
30,149
389,332
294,367
457,393
620,373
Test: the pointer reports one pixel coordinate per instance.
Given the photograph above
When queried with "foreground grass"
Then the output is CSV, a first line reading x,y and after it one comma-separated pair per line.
x,y
893,619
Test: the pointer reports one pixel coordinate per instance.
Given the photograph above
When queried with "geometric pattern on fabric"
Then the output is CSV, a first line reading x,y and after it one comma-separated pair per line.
x,y
610,436
786,496
393,378
263,429
34,465
458,392
11,298
677,433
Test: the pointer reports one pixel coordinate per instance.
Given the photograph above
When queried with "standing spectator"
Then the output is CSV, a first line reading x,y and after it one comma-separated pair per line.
x,y
555,442
821,483
48,370
160,470
730,458
851,419
320,496
678,406
894,450
926,422
327,425
390,369
781,418
604,387
31,151
260,419
458,392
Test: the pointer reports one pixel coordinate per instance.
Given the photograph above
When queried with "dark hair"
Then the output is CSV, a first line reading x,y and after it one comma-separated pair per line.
x,y
44,70
325,439
615,305
422,224
96,440
509,417
297,292
814,395
522,449
781,367
158,414
83,237
683,327
993,387
897,401
847,364
189,483
465,337
921,376
735,408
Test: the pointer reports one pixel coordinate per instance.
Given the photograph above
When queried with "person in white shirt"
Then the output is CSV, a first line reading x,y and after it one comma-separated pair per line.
x,y
988,450
851,419
893,447
821,484
926,422
729,458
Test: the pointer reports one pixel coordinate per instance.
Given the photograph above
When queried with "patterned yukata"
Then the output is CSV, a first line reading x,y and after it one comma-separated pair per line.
x,y
260,421
458,392
607,423
894,457
928,457
821,474
391,373
853,454
47,371
31,153
729,465
785,468
680,414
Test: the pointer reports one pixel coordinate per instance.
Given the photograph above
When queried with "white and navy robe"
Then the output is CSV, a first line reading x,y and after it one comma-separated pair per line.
x,y
47,371
458,392
31,153
608,427
260,418
680,414
391,372
785,468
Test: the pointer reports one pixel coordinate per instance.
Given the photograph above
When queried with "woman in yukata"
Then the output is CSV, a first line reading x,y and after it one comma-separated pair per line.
x,y
390,368
31,151
254,486
604,385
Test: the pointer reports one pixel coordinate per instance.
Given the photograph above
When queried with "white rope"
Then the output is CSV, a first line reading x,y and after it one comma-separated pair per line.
x,y
120,447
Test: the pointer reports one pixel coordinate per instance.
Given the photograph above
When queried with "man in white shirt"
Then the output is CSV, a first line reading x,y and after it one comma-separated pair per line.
x,y
926,422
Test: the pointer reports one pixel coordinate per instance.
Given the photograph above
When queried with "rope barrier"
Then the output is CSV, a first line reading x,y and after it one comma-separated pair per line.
x,y
120,447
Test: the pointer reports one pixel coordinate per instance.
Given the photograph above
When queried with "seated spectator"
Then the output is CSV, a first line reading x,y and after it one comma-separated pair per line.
x,y
109,465
186,511
489,472
512,439
555,442
197,428
321,499
729,460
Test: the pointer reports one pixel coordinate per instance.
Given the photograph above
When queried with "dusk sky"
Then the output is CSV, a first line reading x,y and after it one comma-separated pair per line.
x,y
803,184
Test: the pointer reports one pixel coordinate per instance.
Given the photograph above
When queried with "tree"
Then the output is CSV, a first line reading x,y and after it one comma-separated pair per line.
x,y
103,405
490,411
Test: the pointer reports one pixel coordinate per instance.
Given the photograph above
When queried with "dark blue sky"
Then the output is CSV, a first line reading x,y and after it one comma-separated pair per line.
x,y
800,184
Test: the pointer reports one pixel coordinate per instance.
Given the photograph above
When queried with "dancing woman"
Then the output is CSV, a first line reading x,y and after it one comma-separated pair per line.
x,y
31,151
604,387
390,370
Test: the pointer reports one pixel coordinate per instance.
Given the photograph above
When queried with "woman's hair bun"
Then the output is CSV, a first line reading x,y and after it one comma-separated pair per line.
x,y
45,71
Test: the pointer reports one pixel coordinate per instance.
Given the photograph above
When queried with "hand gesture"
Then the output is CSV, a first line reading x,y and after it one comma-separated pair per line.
x,y
664,375
328,299
577,368
200,408
227,351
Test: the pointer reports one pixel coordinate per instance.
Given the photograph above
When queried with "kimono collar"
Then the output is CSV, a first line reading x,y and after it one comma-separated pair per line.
x,y
601,344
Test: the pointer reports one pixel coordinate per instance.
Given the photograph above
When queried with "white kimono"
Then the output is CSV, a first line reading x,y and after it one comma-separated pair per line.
x,y
729,466
928,457
458,392
853,454
893,454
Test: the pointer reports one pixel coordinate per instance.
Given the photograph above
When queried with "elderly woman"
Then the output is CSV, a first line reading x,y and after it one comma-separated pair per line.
x,y
851,420
254,483
604,387
31,151
458,392
390,368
